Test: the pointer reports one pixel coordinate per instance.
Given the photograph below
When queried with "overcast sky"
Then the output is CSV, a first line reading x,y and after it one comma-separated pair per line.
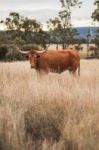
x,y
43,10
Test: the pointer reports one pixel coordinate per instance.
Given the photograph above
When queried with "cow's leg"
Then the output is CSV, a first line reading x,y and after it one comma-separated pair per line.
x,y
72,70
42,72
73,73
38,73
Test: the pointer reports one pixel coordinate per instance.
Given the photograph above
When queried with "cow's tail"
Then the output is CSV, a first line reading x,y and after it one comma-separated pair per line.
x,y
79,69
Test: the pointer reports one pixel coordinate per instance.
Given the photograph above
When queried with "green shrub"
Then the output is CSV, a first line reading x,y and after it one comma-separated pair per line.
x,y
28,47
9,52
3,51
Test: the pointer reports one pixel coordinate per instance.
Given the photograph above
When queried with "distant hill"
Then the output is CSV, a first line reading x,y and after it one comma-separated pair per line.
x,y
83,31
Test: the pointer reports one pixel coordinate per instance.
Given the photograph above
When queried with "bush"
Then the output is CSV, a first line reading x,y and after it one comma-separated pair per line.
x,y
9,52
28,47
3,51
13,54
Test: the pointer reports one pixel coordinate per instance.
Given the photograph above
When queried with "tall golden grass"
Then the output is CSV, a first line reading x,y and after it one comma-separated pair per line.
x,y
49,112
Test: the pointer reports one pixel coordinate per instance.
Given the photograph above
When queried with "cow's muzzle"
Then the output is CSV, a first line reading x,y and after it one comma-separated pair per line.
x,y
32,67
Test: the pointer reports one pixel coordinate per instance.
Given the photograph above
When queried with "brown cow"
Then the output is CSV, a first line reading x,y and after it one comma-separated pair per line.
x,y
55,61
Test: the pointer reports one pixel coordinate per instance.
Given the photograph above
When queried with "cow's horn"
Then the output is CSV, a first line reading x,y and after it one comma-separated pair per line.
x,y
22,52
41,52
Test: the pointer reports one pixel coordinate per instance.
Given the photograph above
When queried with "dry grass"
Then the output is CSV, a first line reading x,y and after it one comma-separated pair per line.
x,y
51,112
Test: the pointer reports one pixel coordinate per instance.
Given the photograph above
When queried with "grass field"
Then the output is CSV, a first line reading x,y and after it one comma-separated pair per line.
x,y
49,112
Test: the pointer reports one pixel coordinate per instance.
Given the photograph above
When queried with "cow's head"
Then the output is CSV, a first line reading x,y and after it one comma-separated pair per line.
x,y
33,57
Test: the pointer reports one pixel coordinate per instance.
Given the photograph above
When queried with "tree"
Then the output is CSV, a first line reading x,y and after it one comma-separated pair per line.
x,y
65,13
3,52
61,25
20,26
13,24
68,4
95,14
54,26
42,38
65,16
29,26
2,37
59,34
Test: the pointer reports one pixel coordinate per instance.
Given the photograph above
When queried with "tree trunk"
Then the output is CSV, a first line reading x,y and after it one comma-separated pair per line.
x,y
63,46
57,46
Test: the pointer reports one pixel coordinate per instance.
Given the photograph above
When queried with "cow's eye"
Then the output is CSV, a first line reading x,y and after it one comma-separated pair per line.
x,y
27,56
38,56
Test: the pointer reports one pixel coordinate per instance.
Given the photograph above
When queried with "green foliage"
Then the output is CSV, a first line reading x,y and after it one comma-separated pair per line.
x,y
61,33
27,47
20,26
2,37
61,25
65,13
95,17
13,55
29,25
3,51
95,14
22,30
96,41
42,38
70,3
54,25
16,22
9,53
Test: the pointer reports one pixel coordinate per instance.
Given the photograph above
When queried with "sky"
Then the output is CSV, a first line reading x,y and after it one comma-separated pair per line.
x,y
43,10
